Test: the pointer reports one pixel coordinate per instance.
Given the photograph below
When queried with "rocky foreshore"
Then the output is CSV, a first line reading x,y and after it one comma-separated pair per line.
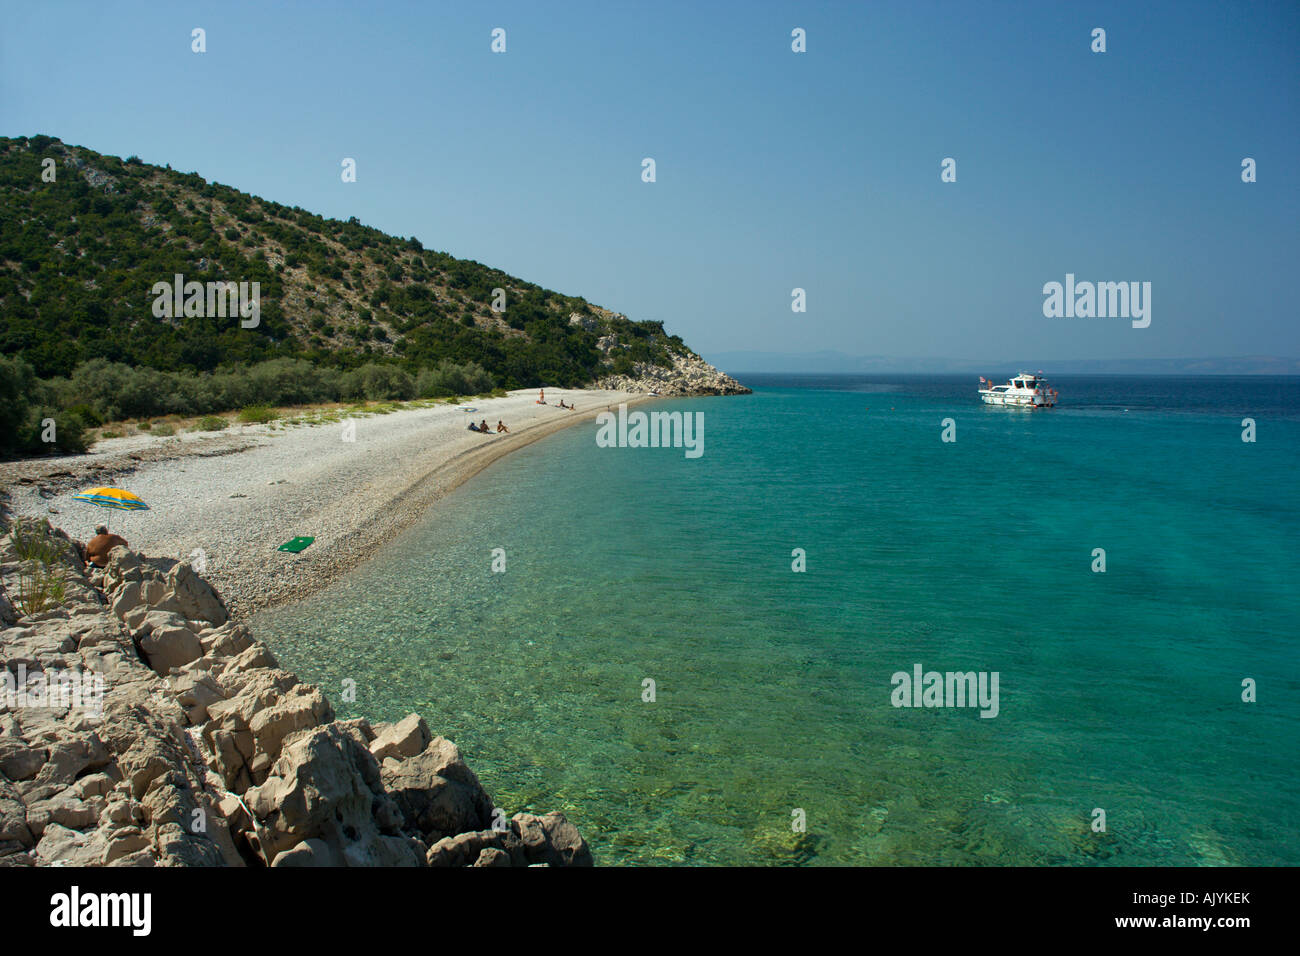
x,y
202,750
689,375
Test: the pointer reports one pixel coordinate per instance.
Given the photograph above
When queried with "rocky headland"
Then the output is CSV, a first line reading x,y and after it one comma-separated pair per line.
x,y
201,750
687,375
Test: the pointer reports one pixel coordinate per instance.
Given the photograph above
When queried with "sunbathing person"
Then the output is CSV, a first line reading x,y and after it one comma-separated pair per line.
x,y
98,547
501,428
483,427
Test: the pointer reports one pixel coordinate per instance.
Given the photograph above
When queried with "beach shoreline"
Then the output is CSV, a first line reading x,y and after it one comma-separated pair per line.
x,y
258,486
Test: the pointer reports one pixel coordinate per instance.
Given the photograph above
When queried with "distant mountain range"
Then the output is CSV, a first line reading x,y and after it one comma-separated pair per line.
x,y
831,362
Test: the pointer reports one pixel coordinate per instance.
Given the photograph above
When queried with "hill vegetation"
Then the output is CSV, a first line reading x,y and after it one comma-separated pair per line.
x,y
346,311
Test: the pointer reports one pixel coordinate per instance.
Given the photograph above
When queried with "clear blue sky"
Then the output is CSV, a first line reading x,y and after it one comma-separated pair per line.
x,y
775,169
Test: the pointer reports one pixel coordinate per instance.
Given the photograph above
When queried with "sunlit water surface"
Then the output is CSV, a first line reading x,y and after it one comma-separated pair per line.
x,y
1118,690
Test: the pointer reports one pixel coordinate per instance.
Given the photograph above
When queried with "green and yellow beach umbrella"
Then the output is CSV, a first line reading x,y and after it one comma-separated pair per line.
x,y
112,498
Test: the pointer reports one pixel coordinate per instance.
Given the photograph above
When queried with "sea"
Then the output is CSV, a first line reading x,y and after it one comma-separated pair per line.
x,y
711,660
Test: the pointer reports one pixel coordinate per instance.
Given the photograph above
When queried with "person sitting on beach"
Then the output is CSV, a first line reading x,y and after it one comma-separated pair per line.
x,y
98,547
483,427
501,427
562,405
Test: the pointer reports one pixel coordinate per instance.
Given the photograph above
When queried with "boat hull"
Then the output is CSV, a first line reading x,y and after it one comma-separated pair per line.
x,y
1016,401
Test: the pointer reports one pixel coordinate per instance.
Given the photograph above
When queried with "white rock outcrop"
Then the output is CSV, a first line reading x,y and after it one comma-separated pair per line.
x,y
204,752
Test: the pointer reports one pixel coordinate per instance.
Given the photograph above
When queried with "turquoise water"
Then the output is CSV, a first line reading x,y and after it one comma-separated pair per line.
x,y
1118,690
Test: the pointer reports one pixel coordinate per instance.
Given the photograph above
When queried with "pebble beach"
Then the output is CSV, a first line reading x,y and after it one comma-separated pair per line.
x,y
236,495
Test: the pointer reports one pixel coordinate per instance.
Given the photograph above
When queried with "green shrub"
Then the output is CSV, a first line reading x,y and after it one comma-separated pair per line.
x,y
34,540
41,571
449,378
376,382
17,379
87,415
25,414
257,414
210,423
99,355
40,587
165,429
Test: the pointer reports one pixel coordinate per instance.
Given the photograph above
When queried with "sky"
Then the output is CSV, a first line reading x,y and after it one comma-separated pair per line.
x,y
775,170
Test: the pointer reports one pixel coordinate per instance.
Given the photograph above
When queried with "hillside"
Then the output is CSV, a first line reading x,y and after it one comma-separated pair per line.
x,y
79,257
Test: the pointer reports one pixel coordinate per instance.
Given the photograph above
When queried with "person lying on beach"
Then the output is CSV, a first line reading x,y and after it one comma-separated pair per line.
x,y
98,547
473,427
500,427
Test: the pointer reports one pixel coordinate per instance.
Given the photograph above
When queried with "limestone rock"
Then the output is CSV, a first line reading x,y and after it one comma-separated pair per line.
x,y
436,792
123,842
8,613
325,785
231,746
93,785
153,779
69,755
689,375
13,817
491,856
465,849
551,839
177,847
195,596
312,852
406,738
194,692
68,847
170,647
18,761
300,707
227,640
123,566
126,599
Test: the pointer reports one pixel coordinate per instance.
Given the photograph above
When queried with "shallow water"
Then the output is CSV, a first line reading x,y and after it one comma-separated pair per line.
x,y
1118,690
